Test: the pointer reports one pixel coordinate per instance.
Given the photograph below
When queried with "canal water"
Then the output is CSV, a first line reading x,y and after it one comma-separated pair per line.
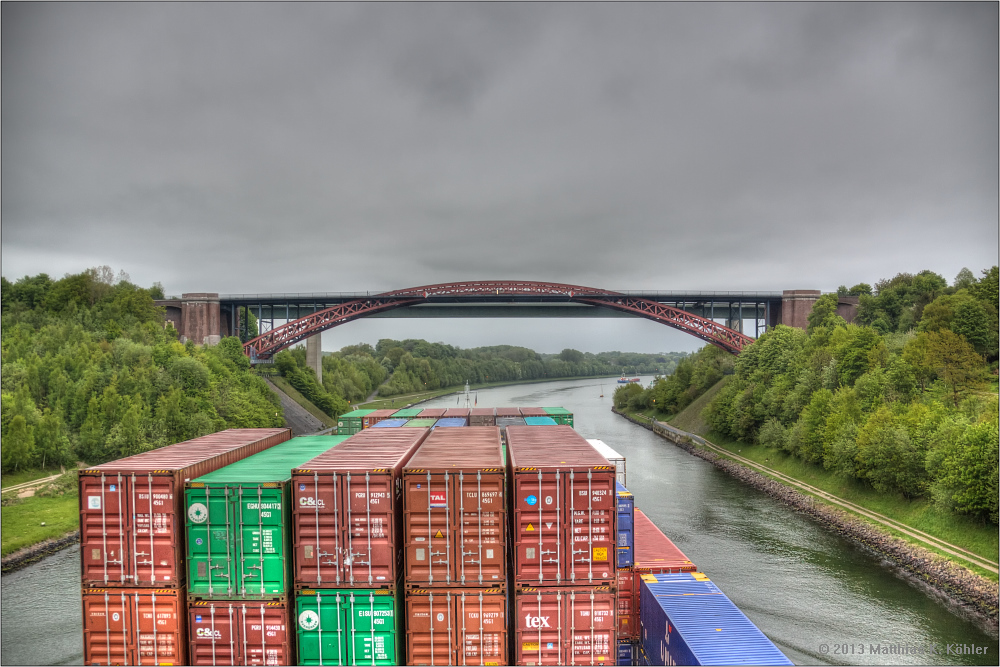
x,y
819,598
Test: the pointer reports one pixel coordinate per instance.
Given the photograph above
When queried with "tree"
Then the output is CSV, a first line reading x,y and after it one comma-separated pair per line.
x,y
18,445
824,313
955,361
967,477
964,279
570,355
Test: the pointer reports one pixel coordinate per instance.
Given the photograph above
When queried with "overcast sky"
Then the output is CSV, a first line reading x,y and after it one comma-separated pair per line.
x,y
238,148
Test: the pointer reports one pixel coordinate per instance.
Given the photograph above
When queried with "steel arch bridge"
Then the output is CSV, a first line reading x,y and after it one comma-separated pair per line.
x,y
270,343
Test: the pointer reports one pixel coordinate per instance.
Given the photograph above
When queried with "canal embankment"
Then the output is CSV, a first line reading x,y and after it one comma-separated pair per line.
x,y
965,590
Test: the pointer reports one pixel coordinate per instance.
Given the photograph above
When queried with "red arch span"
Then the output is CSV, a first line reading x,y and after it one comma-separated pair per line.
x,y
279,338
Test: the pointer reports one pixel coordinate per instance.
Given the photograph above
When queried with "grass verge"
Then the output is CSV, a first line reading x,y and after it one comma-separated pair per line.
x,y
21,522
22,476
293,393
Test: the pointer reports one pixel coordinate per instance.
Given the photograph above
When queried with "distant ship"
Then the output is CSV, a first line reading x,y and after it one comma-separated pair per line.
x,y
625,380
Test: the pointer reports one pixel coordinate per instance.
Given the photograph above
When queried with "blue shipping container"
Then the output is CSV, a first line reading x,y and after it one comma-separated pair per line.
x,y
540,421
626,532
628,653
686,620
390,423
451,421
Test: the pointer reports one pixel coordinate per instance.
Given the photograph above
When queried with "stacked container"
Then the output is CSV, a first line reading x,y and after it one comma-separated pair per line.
x,y
627,600
616,459
455,543
563,573
389,423
132,545
406,413
458,412
687,620
561,415
432,413
348,535
421,423
450,421
238,562
539,421
482,417
350,423
375,416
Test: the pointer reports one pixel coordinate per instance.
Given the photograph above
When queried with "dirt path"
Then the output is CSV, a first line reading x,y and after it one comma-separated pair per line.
x,y
297,417
918,535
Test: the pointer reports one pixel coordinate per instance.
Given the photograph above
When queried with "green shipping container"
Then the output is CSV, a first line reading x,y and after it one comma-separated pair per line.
x,y
237,525
349,626
406,413
349,423
423,423
561,415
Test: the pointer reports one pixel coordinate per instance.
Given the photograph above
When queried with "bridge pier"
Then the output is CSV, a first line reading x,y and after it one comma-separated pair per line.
x,y
197,316
314,355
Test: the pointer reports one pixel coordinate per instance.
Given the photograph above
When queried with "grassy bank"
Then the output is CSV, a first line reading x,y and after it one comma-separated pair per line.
x,y
294,394
55,505
919,513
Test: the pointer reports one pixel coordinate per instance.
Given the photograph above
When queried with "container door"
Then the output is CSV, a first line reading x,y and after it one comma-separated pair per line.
x,y
213,634
104,530
538,528
370,557
321,622
158,620
482,628
430,627
107,627
538,628
260,543
211,565
591,619
480,535
155,534
628,605
430,552
264,634
371,619
590,501
318,528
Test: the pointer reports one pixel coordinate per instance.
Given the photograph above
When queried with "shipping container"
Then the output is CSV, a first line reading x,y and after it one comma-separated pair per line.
x,y
132,509
244,632
389,423
432,413
133,626
504,422
454,501
375,416
347,519
539,421
563,507
627,592
350,423
687,620
616,459
422,422
238,523
482,417
406,413
462,626
507,412
349,626
626,519
533,412
628,652
567,625
654,552
458,412
561,415
451,421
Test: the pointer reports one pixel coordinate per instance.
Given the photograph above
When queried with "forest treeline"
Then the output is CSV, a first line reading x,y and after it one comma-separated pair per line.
x,y
902,400
395,367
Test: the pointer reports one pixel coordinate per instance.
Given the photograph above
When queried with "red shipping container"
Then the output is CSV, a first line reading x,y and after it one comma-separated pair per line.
x,y
465,626
627,593
455,412
347,521
431,413
131,510
226,632
133,626
533,412
569,625
482,417
654,552
508,412
455,511
375,417
564,514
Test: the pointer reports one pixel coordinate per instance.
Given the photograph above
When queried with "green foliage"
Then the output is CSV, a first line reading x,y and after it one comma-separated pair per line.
x,y
90,373
897,401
